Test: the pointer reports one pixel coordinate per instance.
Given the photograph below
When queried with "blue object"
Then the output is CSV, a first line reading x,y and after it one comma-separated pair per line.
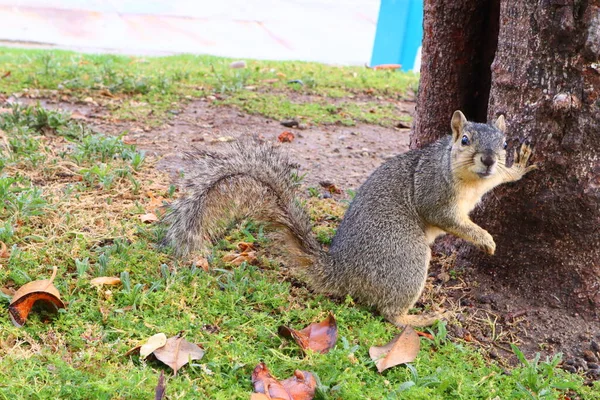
x,y
399,33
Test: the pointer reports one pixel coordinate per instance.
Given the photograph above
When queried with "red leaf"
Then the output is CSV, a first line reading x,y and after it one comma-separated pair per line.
x,y
319,337
286,137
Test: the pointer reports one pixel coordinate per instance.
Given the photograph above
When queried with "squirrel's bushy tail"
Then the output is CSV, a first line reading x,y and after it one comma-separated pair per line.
x,y
248,179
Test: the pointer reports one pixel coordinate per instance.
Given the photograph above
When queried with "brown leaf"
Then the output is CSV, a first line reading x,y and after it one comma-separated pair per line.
x,y
286,136
77,115
202,263
263,382
148,218
319,337
7,291
259,396
403,348
238,258
299,387
177,352
155,202
6,74
425,335
386,66
330,186
4,253
159,392
154,342
42,291
105,280
136,349
243,246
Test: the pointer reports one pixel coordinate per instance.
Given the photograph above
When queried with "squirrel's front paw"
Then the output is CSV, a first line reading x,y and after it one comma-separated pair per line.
x,y
486,243
525,153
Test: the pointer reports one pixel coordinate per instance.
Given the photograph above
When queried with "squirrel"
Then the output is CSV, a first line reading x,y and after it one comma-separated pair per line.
x,y
381,251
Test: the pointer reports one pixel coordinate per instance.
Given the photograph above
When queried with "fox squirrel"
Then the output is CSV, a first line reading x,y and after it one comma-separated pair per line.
x,y
380,253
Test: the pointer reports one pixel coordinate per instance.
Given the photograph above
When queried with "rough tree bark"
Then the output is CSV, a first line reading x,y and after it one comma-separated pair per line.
x,y
459,42
545,78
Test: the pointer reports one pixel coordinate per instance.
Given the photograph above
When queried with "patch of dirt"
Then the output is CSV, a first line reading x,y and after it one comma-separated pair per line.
x,y
342,155
488,313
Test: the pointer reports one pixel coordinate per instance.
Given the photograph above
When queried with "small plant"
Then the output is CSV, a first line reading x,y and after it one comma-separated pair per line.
x,y
439,333
20,202
102,264
313,192
133,295
82,266
419,381
537,379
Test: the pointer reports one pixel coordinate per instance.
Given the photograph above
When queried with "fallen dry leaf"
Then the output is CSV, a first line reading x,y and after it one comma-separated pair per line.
x,y
330,186
403,348
238,258
319,336
177,352
264,382
6,74
42,292
148,218
286,137
386,66
77,115
299,387
425,335
159,392
154,342
4,253
202,263
259,396
244,246
155,202
105,280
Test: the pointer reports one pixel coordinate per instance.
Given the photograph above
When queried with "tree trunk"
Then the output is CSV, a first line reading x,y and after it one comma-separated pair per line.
x,y
545,78
459,41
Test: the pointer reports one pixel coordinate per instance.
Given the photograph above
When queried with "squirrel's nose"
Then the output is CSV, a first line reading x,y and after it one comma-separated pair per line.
x,y
488,160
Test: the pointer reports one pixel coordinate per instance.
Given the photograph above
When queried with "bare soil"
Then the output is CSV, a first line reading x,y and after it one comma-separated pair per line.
x,y
489,313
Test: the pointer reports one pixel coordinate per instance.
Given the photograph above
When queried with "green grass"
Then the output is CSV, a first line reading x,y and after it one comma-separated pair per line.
x,y
152,88
72,198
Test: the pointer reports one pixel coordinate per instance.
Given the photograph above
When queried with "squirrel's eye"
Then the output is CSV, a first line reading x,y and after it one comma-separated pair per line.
x,y
465,140
505,145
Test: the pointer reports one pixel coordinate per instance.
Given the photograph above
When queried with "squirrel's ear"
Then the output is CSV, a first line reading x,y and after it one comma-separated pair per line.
x,y
458,122
500,124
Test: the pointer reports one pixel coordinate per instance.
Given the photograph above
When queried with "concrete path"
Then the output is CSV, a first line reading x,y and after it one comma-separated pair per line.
x,y
329,31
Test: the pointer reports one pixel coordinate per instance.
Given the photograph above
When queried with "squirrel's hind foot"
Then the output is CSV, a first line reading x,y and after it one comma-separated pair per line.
x,y
421,320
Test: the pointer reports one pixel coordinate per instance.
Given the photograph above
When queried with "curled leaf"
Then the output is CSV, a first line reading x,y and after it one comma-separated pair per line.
x,y
286,137
301,386
264,382
202,263
177,352
105,280
4,253
319,336
40,292
238,258
154,342
403,348
148,218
